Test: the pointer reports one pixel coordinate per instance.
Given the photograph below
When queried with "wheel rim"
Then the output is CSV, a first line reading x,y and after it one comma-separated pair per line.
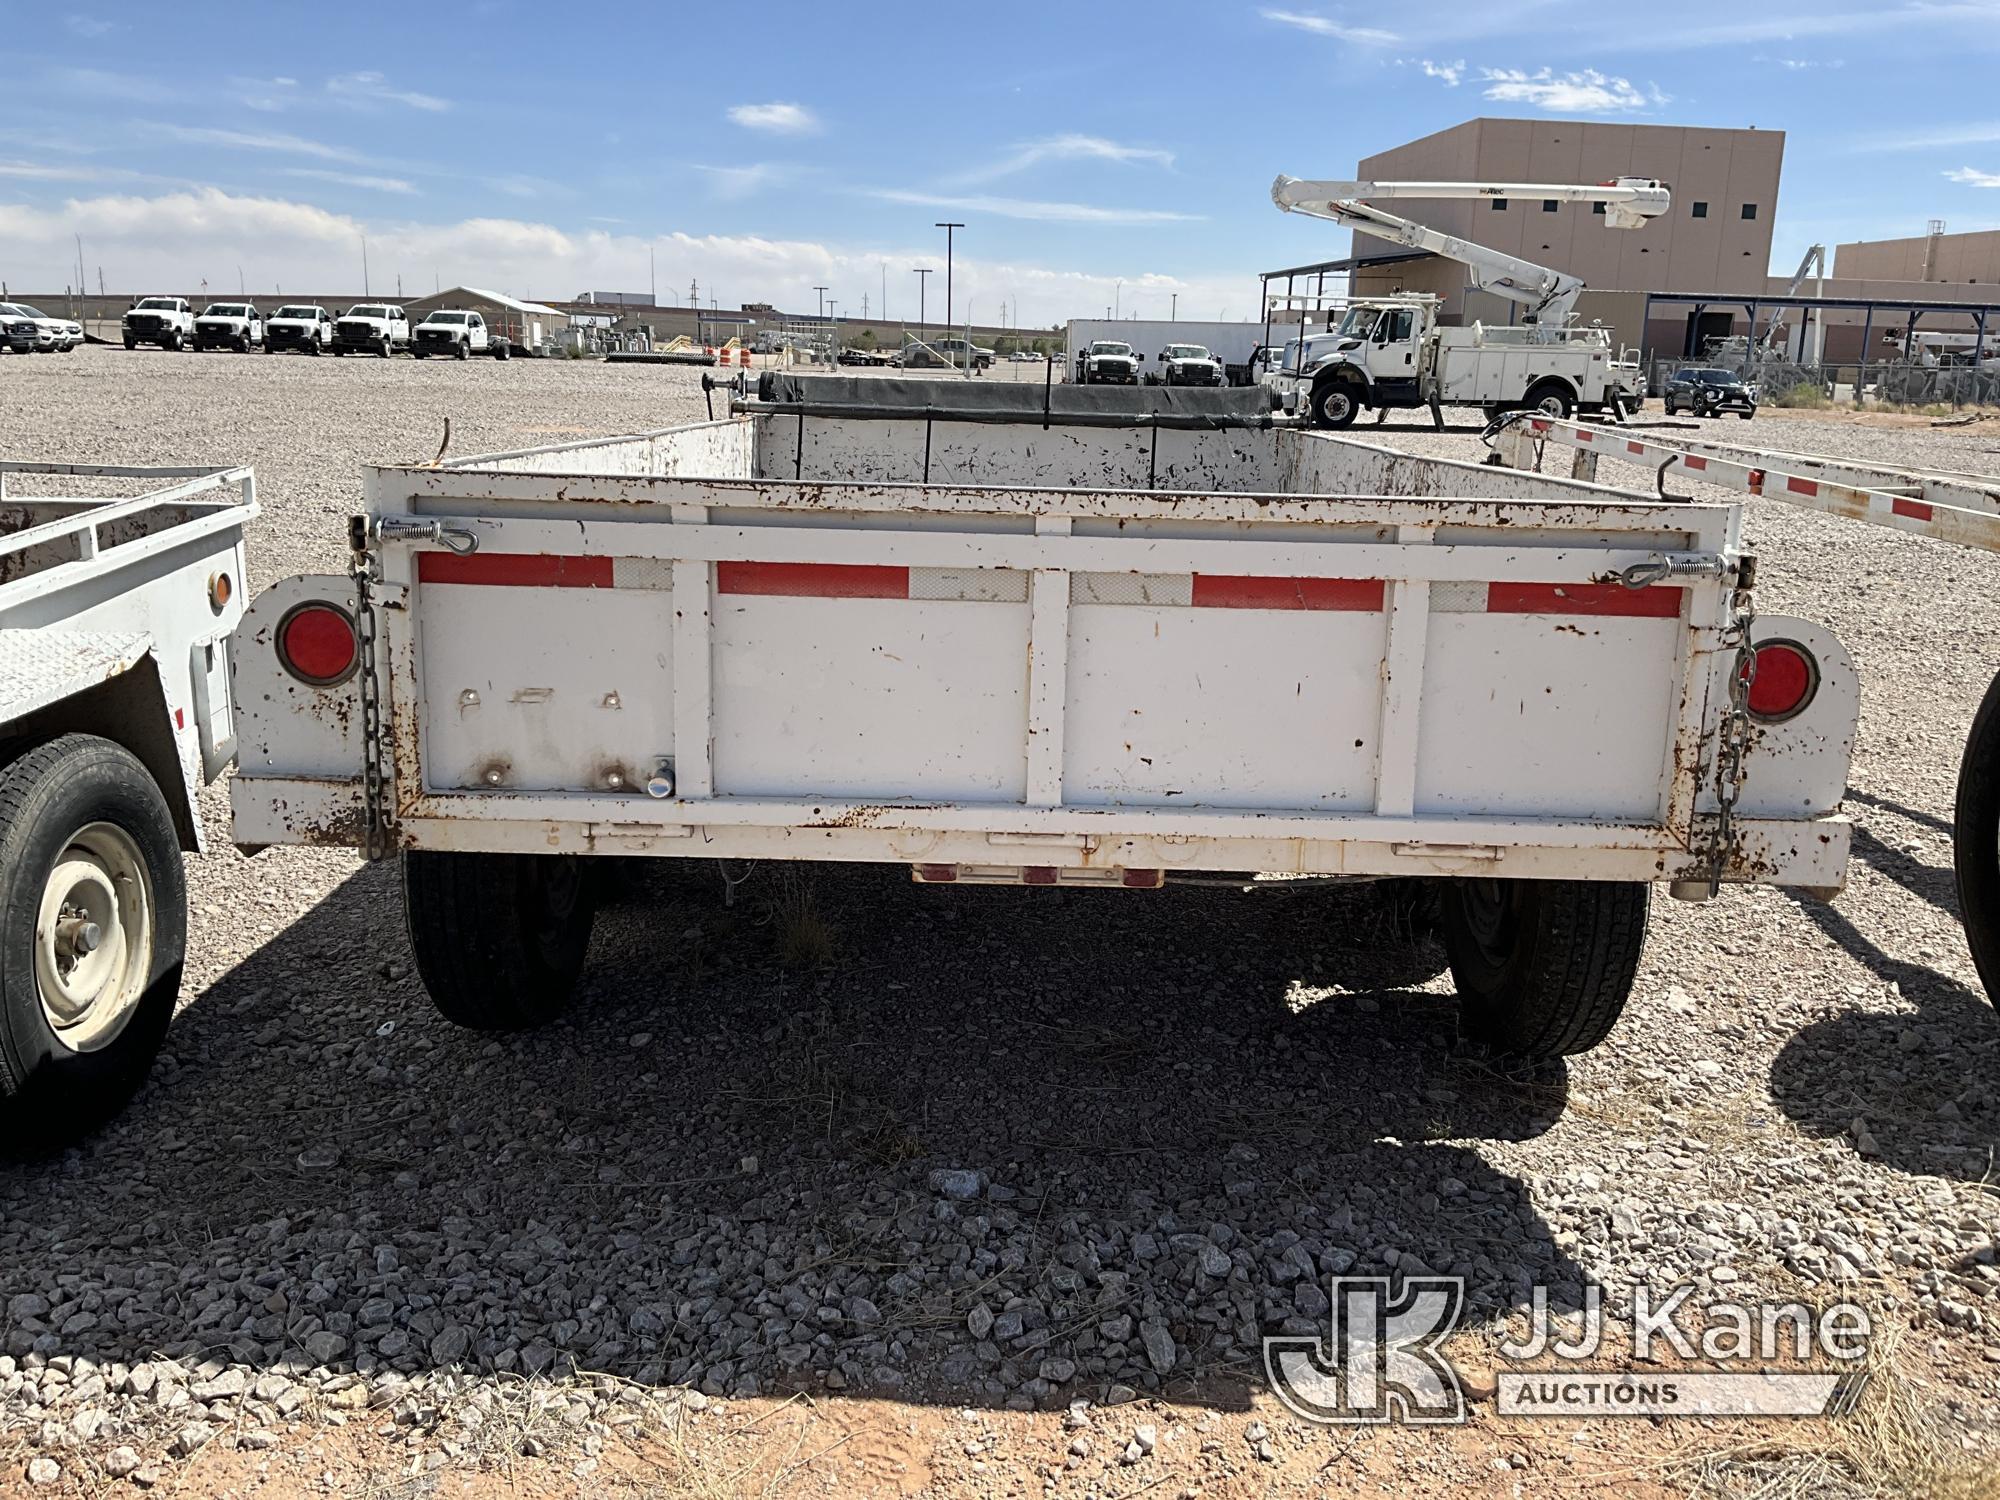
x,y
1550,406
1337,407
94,937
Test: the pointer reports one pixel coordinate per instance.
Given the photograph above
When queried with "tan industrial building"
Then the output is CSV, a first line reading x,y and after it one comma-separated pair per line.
x,y
1717,237
1970,258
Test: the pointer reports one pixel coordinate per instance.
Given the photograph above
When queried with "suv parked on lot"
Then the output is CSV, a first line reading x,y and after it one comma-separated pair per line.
x,y
459,334
371,328
299,325
1709,393
229,325
166,321
18,332
49,335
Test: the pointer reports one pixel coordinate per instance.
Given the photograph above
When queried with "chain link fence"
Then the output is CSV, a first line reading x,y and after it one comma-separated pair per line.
x,y
1782,382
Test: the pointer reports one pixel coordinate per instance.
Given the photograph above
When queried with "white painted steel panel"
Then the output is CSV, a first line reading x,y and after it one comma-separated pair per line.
x,y
1222,707
870,698
1546,716
544,665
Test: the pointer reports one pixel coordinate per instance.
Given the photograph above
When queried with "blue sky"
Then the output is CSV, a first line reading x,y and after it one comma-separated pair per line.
x,y
1096,150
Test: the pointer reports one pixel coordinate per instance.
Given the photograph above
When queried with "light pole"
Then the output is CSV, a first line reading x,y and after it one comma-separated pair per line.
x,y
1117,291
948,226
920,272
822,300
1175,315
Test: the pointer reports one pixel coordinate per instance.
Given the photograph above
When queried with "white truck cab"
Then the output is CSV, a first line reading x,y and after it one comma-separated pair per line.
x,y
1188,364
372,328
1108,362
299,325
458,333
166,321
229,325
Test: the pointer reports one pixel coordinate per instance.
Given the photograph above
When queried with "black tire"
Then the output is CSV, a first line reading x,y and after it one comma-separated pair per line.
x,y
499,938
53,798
1747,415
1551,398
1493,412
1975,836
1543,967
1336,404
462,349
502,349
130,342
338,351
386,349
416,353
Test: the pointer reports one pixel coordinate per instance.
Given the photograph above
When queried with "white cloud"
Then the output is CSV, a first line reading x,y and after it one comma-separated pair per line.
x,y
1363,36
89,27
1026,208
35,171
1587,92
246,140
372,90
1977,134
734,184
268,95
1451,74
175,239
777,119
1069,148
354,179
1973,177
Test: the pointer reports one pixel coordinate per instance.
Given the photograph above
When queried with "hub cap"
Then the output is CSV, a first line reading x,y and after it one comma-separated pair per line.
x,y
94,937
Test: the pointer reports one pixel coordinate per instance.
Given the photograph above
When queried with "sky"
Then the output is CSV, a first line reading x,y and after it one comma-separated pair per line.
x,y
1100,153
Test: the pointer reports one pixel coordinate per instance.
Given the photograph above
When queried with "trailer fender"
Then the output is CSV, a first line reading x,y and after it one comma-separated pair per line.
x,y
286,726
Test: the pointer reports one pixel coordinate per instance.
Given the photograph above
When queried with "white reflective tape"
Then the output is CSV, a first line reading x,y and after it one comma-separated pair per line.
x,y
642,573
978,585
1463,598
1132,588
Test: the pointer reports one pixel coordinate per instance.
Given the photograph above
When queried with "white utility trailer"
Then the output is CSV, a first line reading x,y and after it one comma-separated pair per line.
x,y
1945,505
115,621
1024,635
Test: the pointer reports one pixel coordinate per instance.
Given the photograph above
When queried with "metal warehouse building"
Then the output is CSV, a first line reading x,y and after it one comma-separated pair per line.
x,y
527,325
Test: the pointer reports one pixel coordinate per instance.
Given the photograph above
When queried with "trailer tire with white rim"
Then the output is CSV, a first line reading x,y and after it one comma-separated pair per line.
x,y
1543,967
1976,840
93,934
499,939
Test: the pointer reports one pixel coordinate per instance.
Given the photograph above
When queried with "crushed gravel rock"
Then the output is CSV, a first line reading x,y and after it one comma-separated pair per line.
x,y
1012,1185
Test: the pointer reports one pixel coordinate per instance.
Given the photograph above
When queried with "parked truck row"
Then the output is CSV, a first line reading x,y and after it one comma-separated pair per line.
x,y
378,328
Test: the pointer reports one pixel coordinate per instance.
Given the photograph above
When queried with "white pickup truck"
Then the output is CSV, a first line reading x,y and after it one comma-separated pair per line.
x,y
1030,638
166,321
229,325
371,328
457,335
115,620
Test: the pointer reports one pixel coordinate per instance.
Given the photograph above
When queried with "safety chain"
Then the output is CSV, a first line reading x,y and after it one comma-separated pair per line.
x,y
375,830
1734,739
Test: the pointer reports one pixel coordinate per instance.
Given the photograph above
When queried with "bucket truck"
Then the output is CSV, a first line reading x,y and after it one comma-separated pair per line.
x,y
1390,352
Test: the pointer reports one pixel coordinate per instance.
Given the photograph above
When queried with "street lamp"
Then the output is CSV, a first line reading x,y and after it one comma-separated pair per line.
x,y
920,272
1117,289
948,226
822,301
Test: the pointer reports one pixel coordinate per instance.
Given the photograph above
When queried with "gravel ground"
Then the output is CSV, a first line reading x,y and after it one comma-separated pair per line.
x,y
977,1171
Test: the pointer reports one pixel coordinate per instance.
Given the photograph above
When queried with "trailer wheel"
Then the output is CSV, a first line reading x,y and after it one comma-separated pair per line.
x,y
93,932
1543,967
502,349
1335,404
1976,841
499,938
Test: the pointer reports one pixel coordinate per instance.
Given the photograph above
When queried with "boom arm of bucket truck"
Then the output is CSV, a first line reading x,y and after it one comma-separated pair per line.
x,y
1548,295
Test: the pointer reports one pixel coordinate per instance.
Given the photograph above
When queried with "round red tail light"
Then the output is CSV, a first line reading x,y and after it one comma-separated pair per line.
x,y
1786,679
316,644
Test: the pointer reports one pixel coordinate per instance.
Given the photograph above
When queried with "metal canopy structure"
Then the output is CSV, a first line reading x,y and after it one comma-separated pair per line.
x,y
1981,313
1321,269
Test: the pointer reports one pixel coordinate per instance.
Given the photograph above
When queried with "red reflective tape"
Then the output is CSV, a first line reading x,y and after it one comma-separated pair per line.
x,y
1222,591
1038,874
515,570
1916,510
1800,486
1635,447
937,874
813,580
1694,461
1653,603
1538,425
1142,880
180,719
1583,435
1756,481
